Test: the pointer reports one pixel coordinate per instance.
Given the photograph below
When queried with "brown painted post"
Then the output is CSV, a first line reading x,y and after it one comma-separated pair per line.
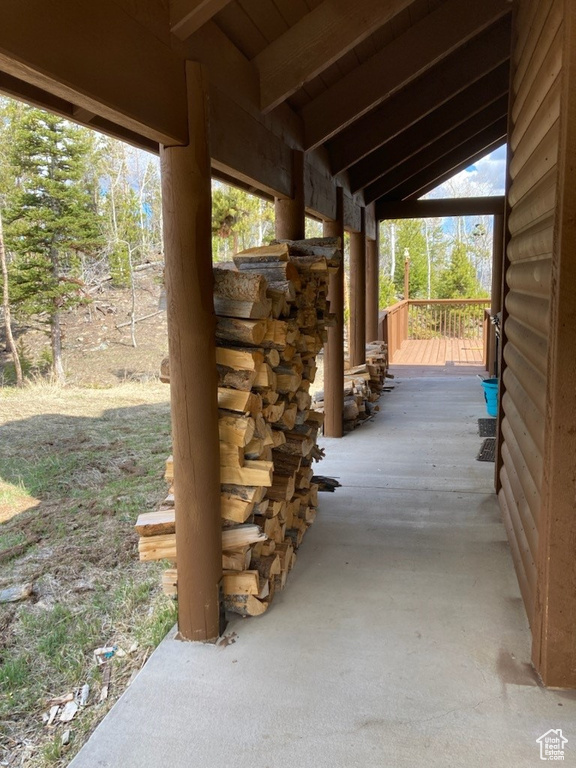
x,y
554,625
372,280
357,340
334,348
407,276
186,206
290,216
496,293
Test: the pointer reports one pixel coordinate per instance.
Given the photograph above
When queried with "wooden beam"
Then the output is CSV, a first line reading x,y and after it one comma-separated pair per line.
x,y
491,89
290,212
370,222
186,16
463,158
372,289
186,205
243,147
320,38
353,216
444,81
438,208
97,57
319,185
491,118
256,154
357,336
554,626
423,45
334,349
31,94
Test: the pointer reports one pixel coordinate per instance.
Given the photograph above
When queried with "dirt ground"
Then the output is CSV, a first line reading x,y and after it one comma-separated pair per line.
x,y
77,466
96,352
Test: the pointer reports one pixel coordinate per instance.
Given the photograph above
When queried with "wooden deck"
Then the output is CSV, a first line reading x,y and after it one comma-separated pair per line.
x,y
439,357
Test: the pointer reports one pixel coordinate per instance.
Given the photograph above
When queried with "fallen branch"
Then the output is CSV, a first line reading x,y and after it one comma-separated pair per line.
x,y
148,265
18,549
138,319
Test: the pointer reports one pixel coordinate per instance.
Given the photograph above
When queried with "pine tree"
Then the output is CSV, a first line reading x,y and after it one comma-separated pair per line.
x,y
459,279
6,185
411,242
239,220
51,217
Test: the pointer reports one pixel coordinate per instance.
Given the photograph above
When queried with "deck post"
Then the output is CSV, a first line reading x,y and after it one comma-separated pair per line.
x,y
406,274
372,284
334,348
357,340
496,294
186,206
290,217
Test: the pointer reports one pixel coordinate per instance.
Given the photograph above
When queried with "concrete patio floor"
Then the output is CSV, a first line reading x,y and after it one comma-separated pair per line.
x,y
400,640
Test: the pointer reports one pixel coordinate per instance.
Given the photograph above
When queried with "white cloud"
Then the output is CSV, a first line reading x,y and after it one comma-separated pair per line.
x,y
486,177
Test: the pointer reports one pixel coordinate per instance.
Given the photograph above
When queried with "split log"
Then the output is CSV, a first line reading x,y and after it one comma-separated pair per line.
x,y
285,463
234,509
161,521
288,418
170,582
240,286
243,583
238,430
237,559
245,605
272,413
265,377
252,473
231,455
236,400
263,254
243,492
237,379
267,567
238,358
282,487
241,331
256,310
240,535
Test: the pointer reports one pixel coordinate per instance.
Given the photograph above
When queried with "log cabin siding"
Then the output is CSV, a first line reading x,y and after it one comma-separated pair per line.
x,y
533,171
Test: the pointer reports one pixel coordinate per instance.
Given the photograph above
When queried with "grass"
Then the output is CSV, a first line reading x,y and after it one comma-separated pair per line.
x,y
76,468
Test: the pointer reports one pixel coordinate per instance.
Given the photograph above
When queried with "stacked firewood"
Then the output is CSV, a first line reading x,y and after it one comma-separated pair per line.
x,y
363,386
272,313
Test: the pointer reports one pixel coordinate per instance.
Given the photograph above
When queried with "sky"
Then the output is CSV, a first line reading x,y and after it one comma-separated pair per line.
x,y
485,177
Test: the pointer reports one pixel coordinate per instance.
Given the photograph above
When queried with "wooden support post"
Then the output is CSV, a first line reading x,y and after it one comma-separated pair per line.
x,y
496,295
334,348
554,623
186,206
372,286
290,216
357,340
406,275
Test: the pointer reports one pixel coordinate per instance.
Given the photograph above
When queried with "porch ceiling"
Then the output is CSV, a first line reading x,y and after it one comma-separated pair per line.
x,y
394,95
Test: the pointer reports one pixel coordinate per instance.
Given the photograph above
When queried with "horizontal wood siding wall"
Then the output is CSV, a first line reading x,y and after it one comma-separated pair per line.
x,y
534,142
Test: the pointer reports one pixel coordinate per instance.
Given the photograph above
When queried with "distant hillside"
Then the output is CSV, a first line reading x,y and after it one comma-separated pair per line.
x,y
96,352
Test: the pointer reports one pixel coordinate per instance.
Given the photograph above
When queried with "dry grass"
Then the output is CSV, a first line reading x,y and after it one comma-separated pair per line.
x,y
76,468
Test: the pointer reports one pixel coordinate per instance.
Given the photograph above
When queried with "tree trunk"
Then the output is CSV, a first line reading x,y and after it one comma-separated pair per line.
x,y
56,339
7,312
55,328
133,294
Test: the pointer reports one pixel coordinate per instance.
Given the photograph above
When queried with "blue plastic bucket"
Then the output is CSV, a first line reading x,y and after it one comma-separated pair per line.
x,y
490,387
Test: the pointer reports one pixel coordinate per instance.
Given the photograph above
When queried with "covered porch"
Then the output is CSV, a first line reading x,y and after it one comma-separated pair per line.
x,y
402,640
350,113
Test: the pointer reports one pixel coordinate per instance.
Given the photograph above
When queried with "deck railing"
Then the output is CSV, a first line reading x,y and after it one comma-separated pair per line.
x,y
435,318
